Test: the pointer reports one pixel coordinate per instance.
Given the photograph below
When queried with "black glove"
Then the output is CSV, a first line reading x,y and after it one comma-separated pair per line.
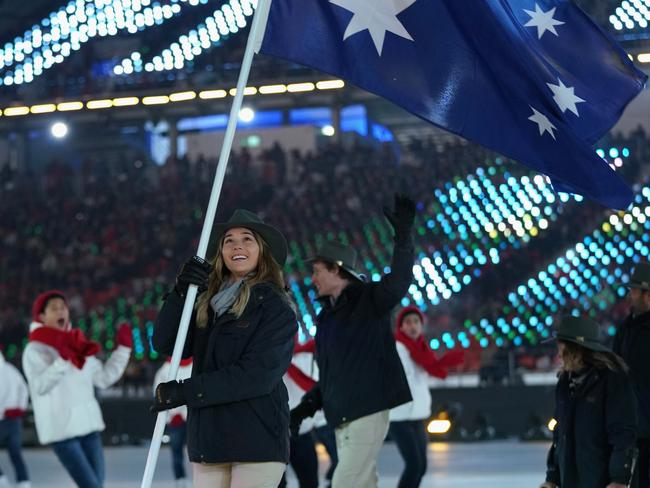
x,y
306,408
195,271
168,395
401,218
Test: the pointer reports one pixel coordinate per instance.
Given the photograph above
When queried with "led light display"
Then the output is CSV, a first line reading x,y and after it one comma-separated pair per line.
x,y
631,15
228,19
585,279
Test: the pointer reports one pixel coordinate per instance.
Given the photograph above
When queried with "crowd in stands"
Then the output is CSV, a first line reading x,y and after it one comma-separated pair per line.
x,y
103,232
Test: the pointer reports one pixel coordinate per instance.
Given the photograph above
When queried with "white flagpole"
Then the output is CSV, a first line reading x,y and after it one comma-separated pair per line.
x,y
254,39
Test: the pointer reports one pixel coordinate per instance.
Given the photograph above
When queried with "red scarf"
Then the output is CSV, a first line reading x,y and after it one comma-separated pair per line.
x,y
422,354
72,345
184,362
297,376
309,346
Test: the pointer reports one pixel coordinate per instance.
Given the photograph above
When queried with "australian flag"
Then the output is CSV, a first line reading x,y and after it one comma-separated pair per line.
x,y
536,80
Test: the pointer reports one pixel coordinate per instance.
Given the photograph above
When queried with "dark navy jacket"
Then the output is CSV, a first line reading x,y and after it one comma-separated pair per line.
x,y
632,343
594,440
360,372
237,402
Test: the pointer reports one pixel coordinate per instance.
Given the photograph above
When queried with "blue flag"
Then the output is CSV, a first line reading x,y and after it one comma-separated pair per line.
x,y
535,80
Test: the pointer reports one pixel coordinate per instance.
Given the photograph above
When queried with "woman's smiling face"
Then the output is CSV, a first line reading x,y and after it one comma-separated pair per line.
x,y
240,251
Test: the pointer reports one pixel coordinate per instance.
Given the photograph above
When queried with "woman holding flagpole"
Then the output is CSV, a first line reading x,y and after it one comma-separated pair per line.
x,y
241,339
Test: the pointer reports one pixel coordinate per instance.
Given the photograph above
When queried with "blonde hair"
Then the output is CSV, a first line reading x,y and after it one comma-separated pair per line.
x,y
576,356
267,271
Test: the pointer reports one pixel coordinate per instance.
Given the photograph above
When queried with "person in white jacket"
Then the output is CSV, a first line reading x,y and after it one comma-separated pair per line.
x,y
301,377
62,372
407,421
176,420
14,398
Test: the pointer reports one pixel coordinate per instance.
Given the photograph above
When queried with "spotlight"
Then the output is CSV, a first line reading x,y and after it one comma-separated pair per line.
x,y
552,424
328,131
59,130
444,423
246,114
439,426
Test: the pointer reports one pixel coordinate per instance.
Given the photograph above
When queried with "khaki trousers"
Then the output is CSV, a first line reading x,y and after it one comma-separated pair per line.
x,y
237,475
357,445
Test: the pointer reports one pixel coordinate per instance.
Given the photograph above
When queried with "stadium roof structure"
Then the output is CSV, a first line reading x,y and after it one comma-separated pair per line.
x,y
15,15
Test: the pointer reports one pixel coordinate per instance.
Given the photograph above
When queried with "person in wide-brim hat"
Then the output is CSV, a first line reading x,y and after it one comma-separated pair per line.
x,y
632,343
595,434
248,220
580,330
360,373
345,257
241,341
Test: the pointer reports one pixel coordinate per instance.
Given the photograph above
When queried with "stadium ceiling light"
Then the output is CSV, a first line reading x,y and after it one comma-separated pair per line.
x,y
43,109
59,130
272,89
182,96
97,104
328,131
125,101
330,84
644,58
246,114
69,106
300,87
212,94
15,111
155,100
249,90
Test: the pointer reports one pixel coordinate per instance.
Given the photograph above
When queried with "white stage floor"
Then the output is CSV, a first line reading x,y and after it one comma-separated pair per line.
x,y
498,464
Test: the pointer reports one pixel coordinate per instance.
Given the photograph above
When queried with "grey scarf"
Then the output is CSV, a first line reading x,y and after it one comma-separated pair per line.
x,y
226,296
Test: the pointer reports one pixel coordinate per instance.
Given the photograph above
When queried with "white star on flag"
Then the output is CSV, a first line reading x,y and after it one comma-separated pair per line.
x,y
377,16
565,97
542,122
544,21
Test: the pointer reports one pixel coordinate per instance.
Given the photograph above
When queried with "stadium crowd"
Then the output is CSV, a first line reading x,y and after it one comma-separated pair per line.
x,y
108,231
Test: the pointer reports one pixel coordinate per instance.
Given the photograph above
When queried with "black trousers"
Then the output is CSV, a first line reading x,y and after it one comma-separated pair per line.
x,y
325,435
303,461
411,439
641,477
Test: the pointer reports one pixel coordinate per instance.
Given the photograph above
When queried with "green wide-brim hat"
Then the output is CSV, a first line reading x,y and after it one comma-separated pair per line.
x,y
640,277
338,253
580,330
248,220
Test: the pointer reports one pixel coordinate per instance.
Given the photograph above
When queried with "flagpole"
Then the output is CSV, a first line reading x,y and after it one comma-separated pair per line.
x,y
254,38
